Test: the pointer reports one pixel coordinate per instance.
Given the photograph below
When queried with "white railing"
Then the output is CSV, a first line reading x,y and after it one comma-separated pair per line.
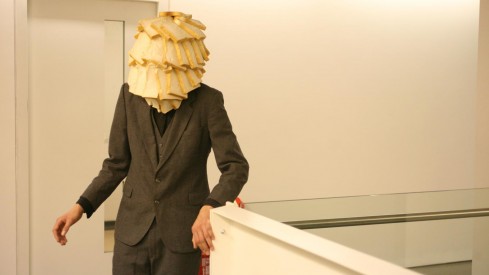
x,y
249,244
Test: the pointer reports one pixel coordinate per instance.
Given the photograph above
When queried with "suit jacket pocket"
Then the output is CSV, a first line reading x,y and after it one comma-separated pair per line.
x,y
196,198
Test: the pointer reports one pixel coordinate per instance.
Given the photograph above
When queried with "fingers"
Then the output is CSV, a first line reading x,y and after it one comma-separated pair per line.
x,y
66,227
209,237
202,232
64,222
58,231
202,240
205,245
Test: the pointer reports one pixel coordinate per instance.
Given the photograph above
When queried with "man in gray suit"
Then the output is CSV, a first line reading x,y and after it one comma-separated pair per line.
x,y
163,219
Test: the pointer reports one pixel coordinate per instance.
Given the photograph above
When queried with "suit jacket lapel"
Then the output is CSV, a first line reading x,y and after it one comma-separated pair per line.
x,y
174,132
147,132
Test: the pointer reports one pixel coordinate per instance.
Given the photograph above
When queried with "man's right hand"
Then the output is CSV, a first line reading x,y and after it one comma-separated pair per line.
x,y
65,221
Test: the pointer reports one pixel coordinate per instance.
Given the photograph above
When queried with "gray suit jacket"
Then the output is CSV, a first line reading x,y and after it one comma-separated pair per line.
x,y
174,189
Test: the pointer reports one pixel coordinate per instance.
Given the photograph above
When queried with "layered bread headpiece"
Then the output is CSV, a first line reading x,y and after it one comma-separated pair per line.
x,y
167,60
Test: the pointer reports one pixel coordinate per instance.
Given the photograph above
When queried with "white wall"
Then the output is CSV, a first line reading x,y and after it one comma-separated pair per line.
x,y
481,239
329,98
335,98
7,139
14,175
482,157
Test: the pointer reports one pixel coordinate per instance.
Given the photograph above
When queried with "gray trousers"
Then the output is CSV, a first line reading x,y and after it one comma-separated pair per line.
x,y
151,257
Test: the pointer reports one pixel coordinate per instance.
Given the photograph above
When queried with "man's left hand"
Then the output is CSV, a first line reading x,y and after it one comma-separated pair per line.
x,y
202,231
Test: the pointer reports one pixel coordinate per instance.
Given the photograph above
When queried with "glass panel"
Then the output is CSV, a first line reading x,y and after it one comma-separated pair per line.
x,y
452,246
372,205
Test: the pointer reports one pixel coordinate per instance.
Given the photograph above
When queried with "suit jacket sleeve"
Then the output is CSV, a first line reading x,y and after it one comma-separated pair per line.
x,y
115,167
229,158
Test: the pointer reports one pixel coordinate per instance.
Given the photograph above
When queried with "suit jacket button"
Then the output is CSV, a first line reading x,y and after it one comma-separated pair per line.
x,y
158,180
157,202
